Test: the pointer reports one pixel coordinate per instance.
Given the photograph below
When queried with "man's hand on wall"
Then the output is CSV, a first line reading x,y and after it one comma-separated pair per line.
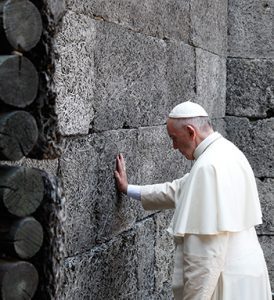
x,y
120,174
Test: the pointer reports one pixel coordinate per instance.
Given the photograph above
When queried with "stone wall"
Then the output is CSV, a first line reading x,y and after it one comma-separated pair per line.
x,y
250,101
121,67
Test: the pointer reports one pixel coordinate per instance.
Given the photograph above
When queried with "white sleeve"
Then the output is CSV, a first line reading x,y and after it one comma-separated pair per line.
x,y
161,196
203,261
134,191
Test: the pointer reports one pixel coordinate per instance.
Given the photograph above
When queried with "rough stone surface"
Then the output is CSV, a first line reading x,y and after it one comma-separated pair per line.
x,y
74,76
94,210
211,82
250,28
161,18
180,73
266,192
93,206
145,242
267,243
164,254
111,266
122,268
256,140
209,25
250,87
134,84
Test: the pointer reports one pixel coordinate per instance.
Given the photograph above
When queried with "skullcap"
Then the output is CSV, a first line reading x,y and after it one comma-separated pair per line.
x,y
187,110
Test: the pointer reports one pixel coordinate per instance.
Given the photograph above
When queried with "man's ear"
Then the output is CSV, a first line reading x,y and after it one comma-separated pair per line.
x,y
191,131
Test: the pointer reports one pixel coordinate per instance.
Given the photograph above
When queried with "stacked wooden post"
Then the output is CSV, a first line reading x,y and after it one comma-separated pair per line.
x,y
21,188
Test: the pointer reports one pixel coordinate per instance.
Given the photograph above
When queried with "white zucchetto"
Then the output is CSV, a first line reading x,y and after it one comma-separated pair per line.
x,y
187,110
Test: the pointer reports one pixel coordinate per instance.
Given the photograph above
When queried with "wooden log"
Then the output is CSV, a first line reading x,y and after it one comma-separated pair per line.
x,y
18,280
21,238
21,24
18,80
21,190
18,135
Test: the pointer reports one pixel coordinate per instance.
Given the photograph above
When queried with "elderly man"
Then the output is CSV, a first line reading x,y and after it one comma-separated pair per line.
x,y
216,204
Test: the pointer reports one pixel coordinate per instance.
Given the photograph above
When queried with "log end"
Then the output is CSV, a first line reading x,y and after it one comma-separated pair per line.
x,y
18,135
28,236
22,24
19,280
23,191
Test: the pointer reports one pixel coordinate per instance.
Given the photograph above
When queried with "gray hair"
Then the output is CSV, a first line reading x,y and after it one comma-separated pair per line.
x,y
202,124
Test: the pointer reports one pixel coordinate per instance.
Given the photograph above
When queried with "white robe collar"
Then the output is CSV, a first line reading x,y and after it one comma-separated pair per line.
x,y
205,143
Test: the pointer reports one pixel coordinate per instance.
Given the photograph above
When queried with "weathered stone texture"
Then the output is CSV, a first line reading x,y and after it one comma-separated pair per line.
x,y
130,79
133,78
267,243
256,140
145,242
122,268
94,210
180,73
211,82
112,268
209,25
266,192
74,76
87,167
164,252
250,28
161,18
250,87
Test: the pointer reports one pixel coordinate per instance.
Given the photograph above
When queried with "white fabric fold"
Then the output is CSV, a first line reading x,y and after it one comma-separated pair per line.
x,y
218,195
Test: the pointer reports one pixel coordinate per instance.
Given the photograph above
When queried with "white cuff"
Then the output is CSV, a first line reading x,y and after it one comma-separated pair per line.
x,y
134,191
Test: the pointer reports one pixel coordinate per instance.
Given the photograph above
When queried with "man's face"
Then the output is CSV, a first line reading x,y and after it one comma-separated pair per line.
x,y
182,138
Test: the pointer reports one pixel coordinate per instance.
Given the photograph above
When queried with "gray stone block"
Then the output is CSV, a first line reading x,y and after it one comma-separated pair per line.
x,y
250,87
159,18
267,243
95,211
164,254
145,241
106,272
181,77
74,76
119,269
250,28
256,140
266,193
209,25
134,85
130,79
211,82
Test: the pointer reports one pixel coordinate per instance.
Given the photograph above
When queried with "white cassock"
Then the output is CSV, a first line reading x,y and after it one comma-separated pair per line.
x,y
218,255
